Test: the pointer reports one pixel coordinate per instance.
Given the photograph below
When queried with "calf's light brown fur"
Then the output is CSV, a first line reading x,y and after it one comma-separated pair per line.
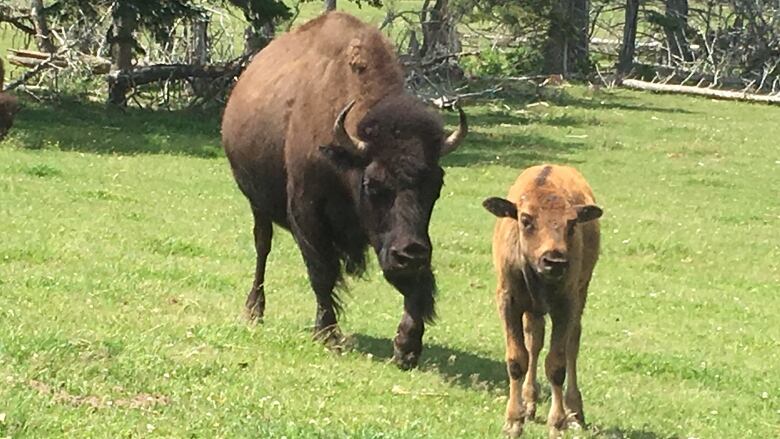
x,y
545,246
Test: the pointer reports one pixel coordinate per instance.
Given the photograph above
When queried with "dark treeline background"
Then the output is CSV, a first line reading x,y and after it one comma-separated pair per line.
x,y
173,53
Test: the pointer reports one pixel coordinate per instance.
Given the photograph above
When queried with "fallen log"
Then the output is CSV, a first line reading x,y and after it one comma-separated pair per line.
x,y
30,63
636,84
30,54
172,72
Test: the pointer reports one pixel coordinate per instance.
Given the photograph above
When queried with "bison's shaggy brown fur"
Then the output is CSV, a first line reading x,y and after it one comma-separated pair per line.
x,y
545,246
324,141
9,106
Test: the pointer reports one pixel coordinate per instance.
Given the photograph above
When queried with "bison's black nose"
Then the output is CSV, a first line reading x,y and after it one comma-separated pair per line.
x,y
410,256
553,264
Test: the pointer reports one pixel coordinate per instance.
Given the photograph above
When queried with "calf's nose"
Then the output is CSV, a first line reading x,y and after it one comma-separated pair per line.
x,y
553,263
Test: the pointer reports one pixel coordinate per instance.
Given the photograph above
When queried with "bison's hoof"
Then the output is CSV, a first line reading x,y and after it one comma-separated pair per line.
x,y
254,314
254,309
513,428
331,337
406,360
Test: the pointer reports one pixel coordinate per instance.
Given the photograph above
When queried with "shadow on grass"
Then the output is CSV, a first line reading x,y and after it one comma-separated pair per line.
x,y
472,371
608,101
456,366
72,125
627,433
517,150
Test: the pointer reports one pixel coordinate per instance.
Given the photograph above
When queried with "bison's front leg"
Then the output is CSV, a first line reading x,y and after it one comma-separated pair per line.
x,y
418,295
323,276
322,265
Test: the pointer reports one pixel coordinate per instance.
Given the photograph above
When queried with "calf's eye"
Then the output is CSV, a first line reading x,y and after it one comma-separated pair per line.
x,y
527,222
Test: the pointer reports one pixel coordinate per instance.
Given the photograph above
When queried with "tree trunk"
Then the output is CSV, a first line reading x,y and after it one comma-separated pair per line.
x,y
330,5
439,40
199,46
257,38
434,28
199,52
566,50
676,26
42,33
626,57
125,22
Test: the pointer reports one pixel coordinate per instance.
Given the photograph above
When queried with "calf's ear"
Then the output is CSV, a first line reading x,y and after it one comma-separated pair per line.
x,y
341,157
500,207
588,212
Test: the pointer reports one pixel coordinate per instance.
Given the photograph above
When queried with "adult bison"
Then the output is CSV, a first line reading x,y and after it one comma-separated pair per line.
x,y
324,141
8,106
545,246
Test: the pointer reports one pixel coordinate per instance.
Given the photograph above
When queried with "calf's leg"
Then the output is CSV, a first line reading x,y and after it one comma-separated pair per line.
x,y
511,313
533,330
573,401
555,368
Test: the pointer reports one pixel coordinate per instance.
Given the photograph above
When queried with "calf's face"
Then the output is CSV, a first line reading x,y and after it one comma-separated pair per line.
x,y
547,225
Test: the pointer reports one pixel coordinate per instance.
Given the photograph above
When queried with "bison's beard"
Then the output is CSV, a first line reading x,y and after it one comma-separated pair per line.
x,y
419,291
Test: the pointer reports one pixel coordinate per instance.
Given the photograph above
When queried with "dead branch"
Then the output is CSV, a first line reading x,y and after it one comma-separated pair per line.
x,y
17,21
438,59
31,73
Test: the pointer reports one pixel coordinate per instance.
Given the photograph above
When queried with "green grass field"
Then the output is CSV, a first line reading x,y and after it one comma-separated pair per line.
x,y
126,253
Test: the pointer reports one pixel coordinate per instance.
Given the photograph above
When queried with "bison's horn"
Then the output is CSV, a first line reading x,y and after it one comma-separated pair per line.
x,y
454,140
340,135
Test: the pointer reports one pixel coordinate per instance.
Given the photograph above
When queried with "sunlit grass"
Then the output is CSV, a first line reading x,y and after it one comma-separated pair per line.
x,y
126,253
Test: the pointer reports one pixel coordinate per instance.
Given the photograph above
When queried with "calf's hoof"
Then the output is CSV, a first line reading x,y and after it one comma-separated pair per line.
x,y
575,420
513,428
557,426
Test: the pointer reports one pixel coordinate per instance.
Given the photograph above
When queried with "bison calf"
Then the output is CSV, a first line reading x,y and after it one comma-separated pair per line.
x,y
8,106
545,245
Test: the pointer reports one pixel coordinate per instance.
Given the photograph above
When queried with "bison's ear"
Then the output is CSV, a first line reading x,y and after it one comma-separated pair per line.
x,y
588,212
500,207
342,157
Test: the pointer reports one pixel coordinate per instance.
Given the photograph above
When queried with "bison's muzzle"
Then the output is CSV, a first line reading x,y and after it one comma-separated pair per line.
x,y
407,258
552,265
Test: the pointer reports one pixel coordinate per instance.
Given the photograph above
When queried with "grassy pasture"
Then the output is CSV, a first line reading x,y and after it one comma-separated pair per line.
x,y
126,253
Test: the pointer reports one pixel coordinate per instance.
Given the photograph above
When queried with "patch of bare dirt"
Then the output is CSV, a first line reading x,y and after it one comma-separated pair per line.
x,y
61,396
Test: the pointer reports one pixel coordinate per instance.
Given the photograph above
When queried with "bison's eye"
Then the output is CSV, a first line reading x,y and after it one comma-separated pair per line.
x,y
376,190
527,221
